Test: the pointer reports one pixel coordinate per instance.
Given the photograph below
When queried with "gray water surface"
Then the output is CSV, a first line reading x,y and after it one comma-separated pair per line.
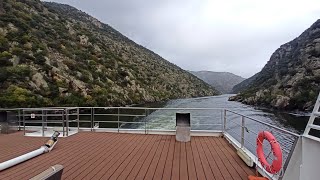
x,y
293,122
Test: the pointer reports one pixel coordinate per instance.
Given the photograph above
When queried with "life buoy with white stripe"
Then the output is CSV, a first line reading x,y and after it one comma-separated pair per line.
x,y
275,148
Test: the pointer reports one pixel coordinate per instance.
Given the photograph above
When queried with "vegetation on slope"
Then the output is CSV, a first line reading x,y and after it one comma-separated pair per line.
x,y
291,78
55,55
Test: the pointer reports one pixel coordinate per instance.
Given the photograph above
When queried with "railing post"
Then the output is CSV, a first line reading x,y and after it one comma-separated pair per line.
x,y
78,118
63,132
242,131
19,119
145,120
224,120
67,122
91,118
42,123
118,119
92,114
24,123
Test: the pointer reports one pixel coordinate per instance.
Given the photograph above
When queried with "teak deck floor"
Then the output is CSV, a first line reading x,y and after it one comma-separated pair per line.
x,y
93,155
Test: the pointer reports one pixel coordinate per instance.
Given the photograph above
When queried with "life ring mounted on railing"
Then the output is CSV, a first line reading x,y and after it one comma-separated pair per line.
x,y
275,148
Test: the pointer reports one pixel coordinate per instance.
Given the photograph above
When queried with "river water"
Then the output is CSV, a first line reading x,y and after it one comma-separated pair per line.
x,y
294,122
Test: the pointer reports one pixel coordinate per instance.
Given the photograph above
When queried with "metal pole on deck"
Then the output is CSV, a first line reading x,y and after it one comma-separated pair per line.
x,y
78,118
42,123
19,119
24,123
63,134
67,119
242,131
224,120
118,119
221,113
145,121
93,117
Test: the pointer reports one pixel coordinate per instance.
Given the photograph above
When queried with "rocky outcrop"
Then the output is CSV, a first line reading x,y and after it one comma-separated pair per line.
x,y
221,81
291,78
55,55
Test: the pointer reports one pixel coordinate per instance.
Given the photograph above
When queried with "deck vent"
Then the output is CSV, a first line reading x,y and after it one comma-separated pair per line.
x,y
183,127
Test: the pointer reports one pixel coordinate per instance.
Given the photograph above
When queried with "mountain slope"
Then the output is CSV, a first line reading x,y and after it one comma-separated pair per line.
x,y
55,55
291,78
222,81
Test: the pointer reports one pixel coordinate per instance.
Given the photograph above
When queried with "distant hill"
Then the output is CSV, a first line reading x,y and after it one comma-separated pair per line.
x,y
222,81
290,79
55,55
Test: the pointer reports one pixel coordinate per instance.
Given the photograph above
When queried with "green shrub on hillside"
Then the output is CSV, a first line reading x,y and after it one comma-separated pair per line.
x,y
15,96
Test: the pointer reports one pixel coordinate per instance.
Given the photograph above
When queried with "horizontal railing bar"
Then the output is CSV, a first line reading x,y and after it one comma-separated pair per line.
x,y
106,121
129,115
207,124
138,108
39,109
267,124
43,122
143,108
131,122
40,115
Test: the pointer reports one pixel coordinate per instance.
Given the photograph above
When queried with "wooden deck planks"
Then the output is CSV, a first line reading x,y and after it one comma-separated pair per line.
x,y
126,157
191,167
155,160
116,156
100,158
169,161
103,151
134,163
214,167
175,174
162,161
89,155
234,174
197,162
223,169
131,159
204,161
183,162
145,166
106,158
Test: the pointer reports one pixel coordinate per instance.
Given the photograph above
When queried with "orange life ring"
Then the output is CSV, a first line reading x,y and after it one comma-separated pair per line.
x,y
276,150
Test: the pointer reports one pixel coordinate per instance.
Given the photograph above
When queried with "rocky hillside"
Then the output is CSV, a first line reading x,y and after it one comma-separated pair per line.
x,y
221,81
291,78
55,55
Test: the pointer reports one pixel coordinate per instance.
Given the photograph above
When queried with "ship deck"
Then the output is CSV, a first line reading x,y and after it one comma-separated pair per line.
x,y
99,155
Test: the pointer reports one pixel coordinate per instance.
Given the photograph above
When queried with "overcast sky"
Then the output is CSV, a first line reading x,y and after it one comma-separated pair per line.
x,y
235,36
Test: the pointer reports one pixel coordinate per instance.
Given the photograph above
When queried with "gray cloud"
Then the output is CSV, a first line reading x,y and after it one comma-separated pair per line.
x,y
234,36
